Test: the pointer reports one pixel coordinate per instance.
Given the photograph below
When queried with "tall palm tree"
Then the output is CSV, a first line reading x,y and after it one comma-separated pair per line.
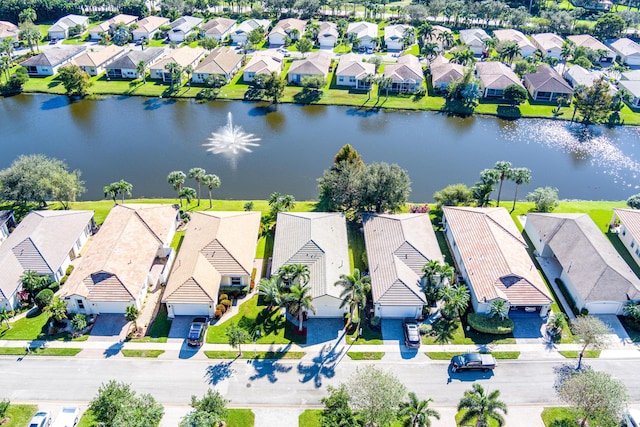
x,y
270,291
355,292
176,179
211,181
430,270
6,47
425,31
141,69
504,168
294,274
510,51
188,70
430,50
188,194
482,407
30,34
519,176
417,412
111,191
446,272
299,301
175,70
197,174
281,203
124,187
464,57
456,300
446,38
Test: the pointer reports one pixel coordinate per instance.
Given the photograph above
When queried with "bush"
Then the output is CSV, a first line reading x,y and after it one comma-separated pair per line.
x,y
43,299
69,270
567,296
226,303
223,297
584,312
425,329
221,308
564,422
79,322
217,314
55,287
375,322
489,325
4,405
63,280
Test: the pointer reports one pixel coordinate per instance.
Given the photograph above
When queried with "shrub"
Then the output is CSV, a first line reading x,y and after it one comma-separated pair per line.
x,y
4,405
69,270
221,308
375,322
584,312
217,314
79,322
489,325
226,303
43,299
564,422
63,280
567,296
425,329
55,287
223,297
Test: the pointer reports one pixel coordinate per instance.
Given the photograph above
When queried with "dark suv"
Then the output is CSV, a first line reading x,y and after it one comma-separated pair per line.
x,y
197,332
473,361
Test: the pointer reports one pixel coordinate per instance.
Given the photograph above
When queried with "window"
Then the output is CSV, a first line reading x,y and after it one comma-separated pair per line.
x,y
80,304
624,231
638,252
633,243
236,281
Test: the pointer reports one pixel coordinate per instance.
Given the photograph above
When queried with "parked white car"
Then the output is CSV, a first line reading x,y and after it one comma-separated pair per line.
x,y
68,417
632,418
41,419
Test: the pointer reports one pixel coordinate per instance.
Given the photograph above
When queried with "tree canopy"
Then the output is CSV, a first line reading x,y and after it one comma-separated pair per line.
x,y
117,405
75,81
545,199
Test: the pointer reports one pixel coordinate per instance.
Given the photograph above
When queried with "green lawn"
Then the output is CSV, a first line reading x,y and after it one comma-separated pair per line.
x,y
356,246
310,418
369,336
631,328
450,332
141,353
260,355
38,351
19,415
447,355
252,316
31,328
588,354
87,419
460,414
365,355
240,418
159,330
559,413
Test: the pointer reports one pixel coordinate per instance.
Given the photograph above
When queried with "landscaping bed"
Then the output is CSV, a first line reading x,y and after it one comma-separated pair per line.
x,y
455,332
490,325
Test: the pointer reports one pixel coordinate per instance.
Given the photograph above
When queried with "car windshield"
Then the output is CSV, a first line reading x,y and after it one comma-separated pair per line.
x,y
194,331
68,410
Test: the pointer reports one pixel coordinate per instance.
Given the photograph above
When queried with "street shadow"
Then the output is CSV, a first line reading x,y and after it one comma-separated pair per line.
x,y
408,352
217,373
187,352
270,367
113,349
323,366
469,376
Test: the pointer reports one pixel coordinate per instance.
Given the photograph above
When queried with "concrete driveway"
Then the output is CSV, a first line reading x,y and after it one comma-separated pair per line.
x,y
109,327
619,335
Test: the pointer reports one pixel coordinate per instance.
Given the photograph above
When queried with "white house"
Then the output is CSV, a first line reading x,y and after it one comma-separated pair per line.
x,y
316,64
627,50
218,28
93,62
148,27
241,32
394,36
549,44
263,62
45,242
126,66
60,29
526,47
290,28
633,87
474,39
576,75
108,25
217,252
182,27
398,247
9,30
183,56
588,41
222,61
593,272
491,255
366,32
131,252
318,240
626,222
328,35
352,70
7,222
49,61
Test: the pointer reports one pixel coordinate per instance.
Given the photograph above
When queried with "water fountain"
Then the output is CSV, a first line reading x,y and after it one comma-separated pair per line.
x,y
231,141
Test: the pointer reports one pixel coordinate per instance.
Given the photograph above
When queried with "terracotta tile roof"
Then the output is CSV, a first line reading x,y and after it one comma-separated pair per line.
x,y
285,26
407,68
265,62
548,80
446,72
317,63
496,75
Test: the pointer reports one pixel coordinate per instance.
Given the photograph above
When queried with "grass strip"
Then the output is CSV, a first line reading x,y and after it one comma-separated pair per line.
x,y
38,351
447,355
365,355
141,353
260,355
588,354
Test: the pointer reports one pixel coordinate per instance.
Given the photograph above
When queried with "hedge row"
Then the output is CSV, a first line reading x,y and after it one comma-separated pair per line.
x,y
567,296
489,325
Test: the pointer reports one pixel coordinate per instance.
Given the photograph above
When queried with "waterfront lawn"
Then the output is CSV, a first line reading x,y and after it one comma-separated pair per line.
x,y
240,418
599,211
253,315
19,415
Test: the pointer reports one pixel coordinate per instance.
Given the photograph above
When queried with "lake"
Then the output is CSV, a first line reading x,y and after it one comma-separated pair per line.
x,y
141,140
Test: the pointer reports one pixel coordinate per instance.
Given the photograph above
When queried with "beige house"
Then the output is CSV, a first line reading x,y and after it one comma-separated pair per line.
x,y
593,271
526,47
319,240
218,28
549,44
126,66
130,253
328,35
352,70
222,61
590,42
443,73
491,255
316,64
60,29
45,242
93,62
148,27
406,74
474,39
108,25
494,78
263,62
183,56
366,32
8,31
290,28
547,85
217,252
398,247
240,33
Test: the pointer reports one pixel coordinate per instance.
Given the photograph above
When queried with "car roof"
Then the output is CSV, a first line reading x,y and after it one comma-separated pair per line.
x,y
475,357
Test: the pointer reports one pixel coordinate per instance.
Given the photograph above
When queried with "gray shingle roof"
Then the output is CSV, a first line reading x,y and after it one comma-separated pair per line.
x,y
131,59
547,79
55,56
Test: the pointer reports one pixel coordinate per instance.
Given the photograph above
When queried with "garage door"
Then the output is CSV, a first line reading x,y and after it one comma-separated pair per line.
x,y
109,307
604,307
188,309
399,311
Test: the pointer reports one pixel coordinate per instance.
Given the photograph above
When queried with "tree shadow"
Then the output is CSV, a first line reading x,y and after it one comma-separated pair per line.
x,y
217,373
307,96
53,83
113,349
457,108
323,366
444,331
269,368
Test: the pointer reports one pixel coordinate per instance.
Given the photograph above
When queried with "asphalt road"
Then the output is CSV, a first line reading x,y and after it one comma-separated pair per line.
x,y
278,383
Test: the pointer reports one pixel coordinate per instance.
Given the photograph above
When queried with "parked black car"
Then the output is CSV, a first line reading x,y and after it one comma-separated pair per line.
x,y
471,361
411,334
197,332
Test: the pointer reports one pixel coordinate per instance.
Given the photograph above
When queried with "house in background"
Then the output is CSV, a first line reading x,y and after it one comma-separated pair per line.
x,y
406,75
183,56
9,31
319,240
240,33
526,47
108,25
290,28
491,255
549,44
590,42
182,27
627,50
547,85
217,252
131,252
60,29
366,32
633,87
93,62
576,75
328,35
125,67
443,73
437,37
316,64
352,70
494,78
604,5
7,223
222,61
218,28
475,40
394,36
593,272
398,247
263,62
626,222
45,242
148,27
49,61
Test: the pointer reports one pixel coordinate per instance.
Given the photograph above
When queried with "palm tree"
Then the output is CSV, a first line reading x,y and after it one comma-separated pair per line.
x,y
300,301
124,187
430,270
4,317
567,51
188,70
425,31
5,66
464,57
176,179
6,47
188,194
57,309
141,69
355,292
481,407
175,71
31,34
446,38
417,412
510,51
519,176
446,272
111,191
504,168
292,274
430,50
456,300
131,315
384,83
270,291
197,174
281,203
211,181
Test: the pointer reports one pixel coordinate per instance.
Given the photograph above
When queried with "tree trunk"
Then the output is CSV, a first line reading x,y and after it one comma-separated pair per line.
x,y
515,197
210,202
300,321
500,191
